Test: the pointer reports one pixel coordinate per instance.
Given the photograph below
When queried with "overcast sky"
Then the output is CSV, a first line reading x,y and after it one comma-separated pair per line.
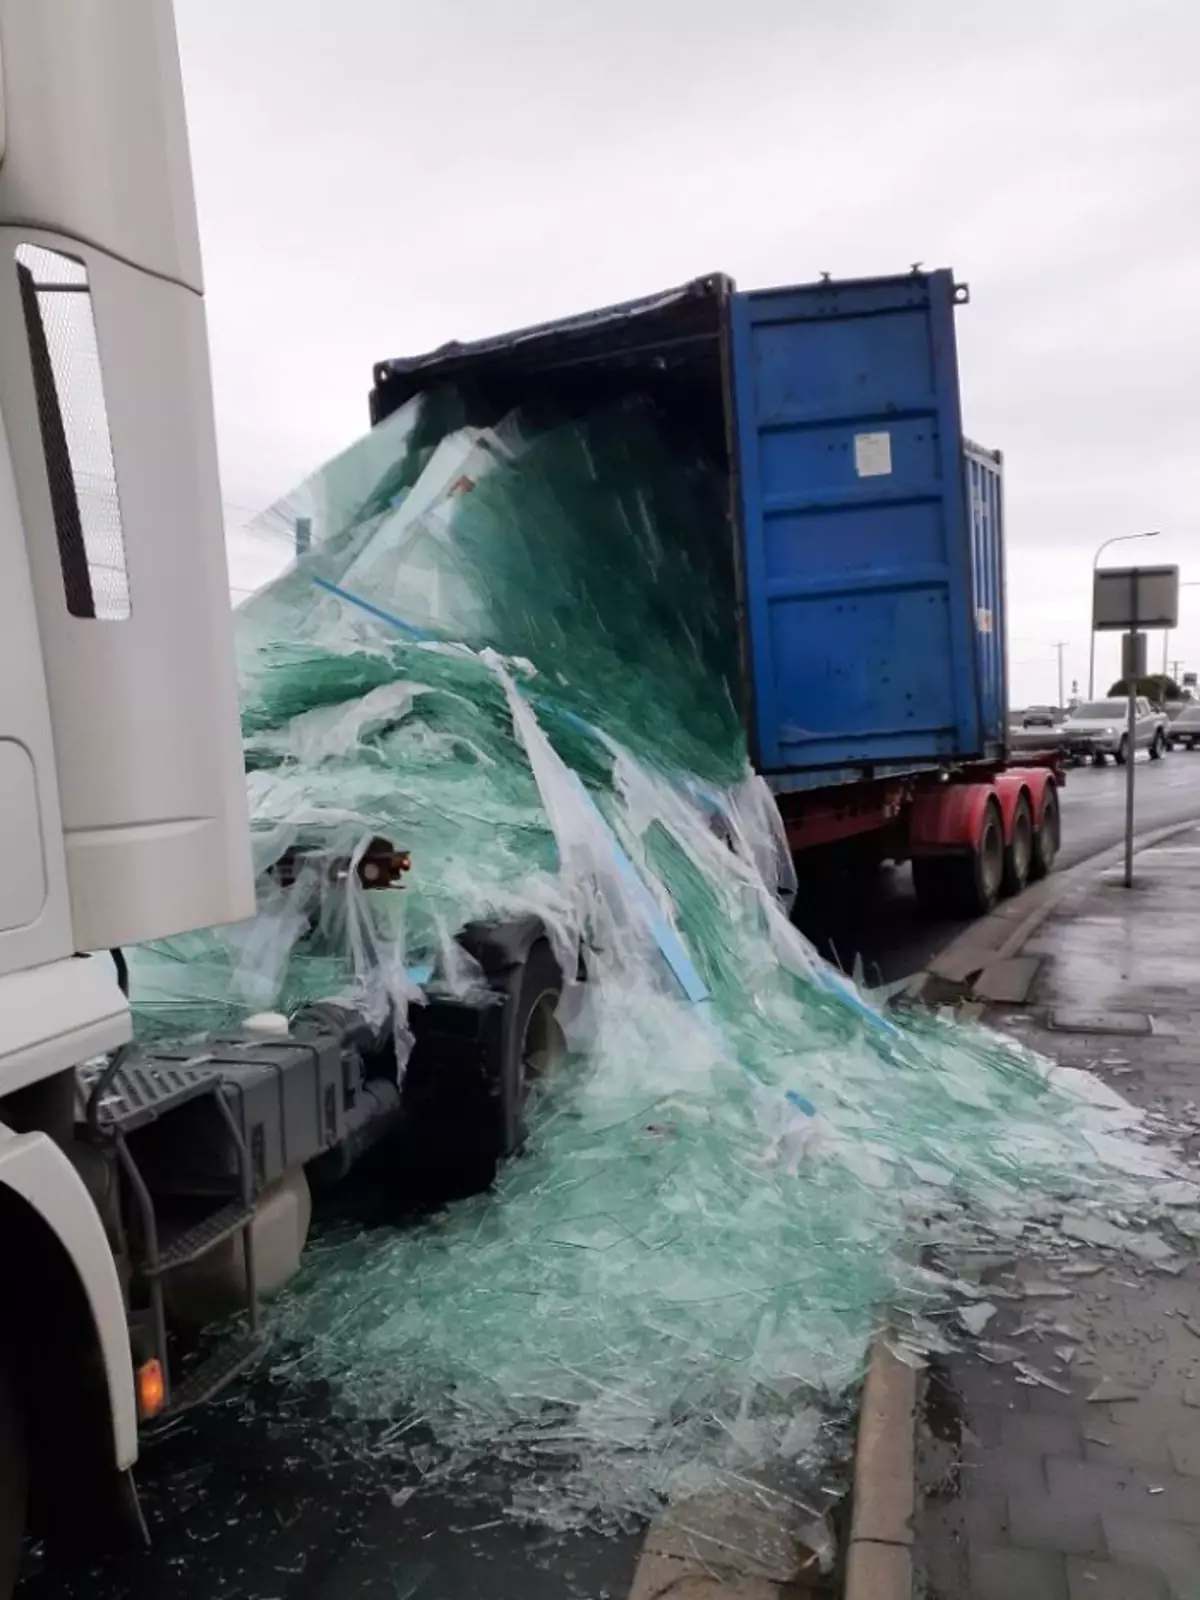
x,y
376,176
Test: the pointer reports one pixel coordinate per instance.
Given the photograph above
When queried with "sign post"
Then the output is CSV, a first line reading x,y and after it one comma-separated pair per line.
x,y
1131,598
1133,667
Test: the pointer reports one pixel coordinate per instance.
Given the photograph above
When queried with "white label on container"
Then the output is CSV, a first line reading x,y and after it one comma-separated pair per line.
x,y
873,454
983,620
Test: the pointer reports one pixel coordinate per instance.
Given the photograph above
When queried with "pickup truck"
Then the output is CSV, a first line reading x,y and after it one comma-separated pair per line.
x,y
1185,727
1100,728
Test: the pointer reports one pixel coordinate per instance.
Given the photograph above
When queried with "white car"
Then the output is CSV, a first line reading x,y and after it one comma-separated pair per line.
x,y
1100,728
1185,728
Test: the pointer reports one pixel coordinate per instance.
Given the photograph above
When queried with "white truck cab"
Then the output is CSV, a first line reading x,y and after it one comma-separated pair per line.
x,y
122,797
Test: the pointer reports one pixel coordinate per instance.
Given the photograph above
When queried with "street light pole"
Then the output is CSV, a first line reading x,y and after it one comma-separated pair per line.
x,y
1118,539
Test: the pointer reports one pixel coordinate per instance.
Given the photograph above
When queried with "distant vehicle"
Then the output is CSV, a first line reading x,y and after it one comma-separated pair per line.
x,y
1041,717
1038,728
1099,728
1185,726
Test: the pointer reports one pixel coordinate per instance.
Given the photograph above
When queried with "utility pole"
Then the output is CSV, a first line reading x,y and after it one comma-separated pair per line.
x,y
1176,668
1060,645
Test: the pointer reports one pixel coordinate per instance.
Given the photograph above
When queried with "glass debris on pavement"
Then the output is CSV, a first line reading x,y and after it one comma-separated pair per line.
x,y
510,649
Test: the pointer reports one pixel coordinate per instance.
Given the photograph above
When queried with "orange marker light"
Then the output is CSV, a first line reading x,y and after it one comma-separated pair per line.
x,y
151,1389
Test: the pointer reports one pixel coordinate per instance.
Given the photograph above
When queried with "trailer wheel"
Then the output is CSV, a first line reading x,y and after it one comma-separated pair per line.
x,y
975,878
14,1485
1018,853
1048,837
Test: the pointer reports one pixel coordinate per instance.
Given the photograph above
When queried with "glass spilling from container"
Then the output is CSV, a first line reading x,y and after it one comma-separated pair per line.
x,y
509,649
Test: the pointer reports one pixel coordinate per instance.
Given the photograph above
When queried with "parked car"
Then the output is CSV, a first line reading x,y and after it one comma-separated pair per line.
x,y
1184,731
1099,728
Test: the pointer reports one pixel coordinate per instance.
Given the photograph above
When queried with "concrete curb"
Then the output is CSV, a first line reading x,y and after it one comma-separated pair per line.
x,y
879,1563
879,1557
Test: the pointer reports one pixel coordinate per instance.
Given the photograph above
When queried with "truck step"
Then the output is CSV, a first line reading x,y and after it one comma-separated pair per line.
x,y
141,1092
201,1237
207,1380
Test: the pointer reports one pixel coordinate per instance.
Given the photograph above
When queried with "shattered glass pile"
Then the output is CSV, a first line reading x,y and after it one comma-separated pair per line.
x,y
510,650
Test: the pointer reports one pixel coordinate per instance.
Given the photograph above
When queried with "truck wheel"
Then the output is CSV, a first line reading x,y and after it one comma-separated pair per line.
x,y
534,1044
1122,750
1157,745
14,1485
974,880
1018,853
463,1122
1047,838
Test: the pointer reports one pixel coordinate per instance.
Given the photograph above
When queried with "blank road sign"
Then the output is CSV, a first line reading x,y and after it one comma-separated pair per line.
x,y
1136,597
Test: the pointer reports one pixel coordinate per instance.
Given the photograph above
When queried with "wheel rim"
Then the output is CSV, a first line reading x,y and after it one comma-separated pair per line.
x,y
991,854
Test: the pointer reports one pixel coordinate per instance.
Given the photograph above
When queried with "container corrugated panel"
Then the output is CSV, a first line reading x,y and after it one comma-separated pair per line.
x,y
876,633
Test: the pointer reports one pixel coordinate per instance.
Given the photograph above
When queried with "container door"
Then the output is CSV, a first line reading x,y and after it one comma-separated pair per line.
x,y
857,570
985,509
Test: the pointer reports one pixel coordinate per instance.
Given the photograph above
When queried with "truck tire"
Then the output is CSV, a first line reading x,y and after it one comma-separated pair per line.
x,y
975,878
14,1484
534,1046
470,1118
1157,746
1048,836
1122,750
1018,853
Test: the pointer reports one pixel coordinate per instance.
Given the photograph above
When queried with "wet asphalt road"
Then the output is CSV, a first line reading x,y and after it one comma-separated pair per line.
x,y
261,1502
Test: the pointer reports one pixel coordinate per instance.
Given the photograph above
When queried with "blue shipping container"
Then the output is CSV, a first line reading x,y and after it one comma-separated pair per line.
x,y
868,532
873,570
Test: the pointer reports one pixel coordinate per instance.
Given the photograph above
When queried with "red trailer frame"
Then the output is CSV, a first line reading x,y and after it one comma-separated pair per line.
x,y
972,833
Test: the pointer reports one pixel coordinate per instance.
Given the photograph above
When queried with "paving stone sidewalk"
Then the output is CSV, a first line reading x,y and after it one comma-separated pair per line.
x,y
1026,1492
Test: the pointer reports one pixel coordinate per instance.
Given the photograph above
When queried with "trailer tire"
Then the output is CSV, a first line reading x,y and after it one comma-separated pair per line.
x,y
1048,836
14,1483
1018,852
975,878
